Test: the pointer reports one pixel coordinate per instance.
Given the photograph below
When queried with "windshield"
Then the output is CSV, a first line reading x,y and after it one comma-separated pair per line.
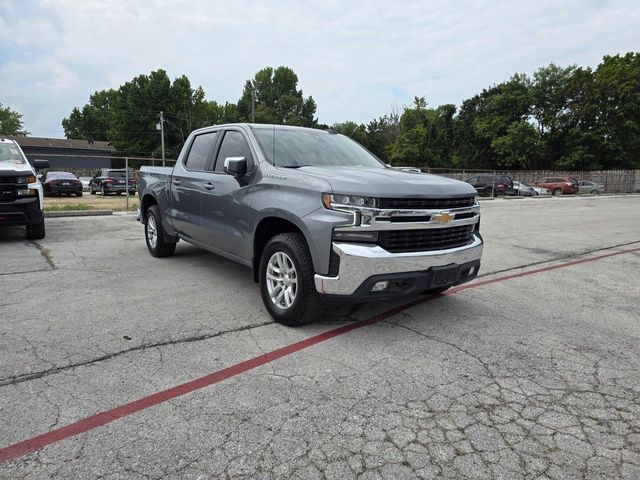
x,y
10,153
60,176
302,148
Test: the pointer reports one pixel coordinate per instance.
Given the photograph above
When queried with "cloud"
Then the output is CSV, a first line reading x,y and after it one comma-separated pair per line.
x,y
357,59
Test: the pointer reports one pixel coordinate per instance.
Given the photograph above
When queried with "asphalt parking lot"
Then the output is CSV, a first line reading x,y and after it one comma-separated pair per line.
x,y
532,371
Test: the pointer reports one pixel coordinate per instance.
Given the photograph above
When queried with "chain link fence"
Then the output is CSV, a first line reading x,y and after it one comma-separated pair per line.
x,y
108,183
120,193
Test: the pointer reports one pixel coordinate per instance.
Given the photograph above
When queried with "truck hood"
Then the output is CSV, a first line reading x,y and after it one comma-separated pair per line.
x,y
8,168
388,183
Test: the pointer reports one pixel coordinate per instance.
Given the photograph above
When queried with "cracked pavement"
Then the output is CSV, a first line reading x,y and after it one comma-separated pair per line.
x,y
534,377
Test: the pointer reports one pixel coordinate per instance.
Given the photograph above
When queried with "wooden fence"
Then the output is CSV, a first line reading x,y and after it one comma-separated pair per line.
x,y
614,181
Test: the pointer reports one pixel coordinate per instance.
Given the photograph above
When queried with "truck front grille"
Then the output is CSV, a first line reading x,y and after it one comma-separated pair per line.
x,y
426,203
401,241
7,192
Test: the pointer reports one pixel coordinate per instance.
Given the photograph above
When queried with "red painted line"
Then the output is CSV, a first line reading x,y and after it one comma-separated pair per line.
x,y
94,421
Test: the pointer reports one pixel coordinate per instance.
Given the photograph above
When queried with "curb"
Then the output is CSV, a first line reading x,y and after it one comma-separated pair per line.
x,y
78,213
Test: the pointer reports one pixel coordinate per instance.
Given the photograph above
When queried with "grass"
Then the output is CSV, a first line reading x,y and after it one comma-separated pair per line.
x,y
66,207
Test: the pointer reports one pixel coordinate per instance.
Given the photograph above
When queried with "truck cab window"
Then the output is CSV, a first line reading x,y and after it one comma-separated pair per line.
x,y
233,145
200,151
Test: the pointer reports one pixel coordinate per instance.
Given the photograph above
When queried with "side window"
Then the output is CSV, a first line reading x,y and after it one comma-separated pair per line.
x,y
473,180
200,151
233,145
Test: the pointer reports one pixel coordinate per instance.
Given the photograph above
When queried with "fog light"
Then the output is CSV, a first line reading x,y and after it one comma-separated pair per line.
x,y
380,286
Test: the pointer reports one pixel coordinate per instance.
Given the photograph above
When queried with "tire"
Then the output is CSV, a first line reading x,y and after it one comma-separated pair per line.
x,y
79,194
595,192
36,232
557,192
155,236
289,251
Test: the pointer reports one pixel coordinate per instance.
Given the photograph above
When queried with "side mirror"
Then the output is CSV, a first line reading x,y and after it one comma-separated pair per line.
x,y
41,164
236,166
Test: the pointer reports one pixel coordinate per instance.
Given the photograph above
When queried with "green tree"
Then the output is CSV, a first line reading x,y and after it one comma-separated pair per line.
x,y
426,136
490,125
11,122
617,97
277,99
128,116
355,131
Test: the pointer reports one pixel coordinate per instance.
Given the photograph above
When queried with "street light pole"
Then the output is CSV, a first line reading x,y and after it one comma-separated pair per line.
x,y
253,104
162,134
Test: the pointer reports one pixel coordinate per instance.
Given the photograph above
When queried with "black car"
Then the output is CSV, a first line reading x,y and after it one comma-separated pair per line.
x,y
110,180
61,183
492,185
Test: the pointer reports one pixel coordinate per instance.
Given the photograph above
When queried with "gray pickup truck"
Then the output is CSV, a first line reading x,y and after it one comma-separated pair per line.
x,y
314,214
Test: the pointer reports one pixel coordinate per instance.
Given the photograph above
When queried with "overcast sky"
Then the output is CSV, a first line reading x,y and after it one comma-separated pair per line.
x,y
357,59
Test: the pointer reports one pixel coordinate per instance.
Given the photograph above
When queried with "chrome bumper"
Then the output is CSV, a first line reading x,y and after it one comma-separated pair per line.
x,y
358,262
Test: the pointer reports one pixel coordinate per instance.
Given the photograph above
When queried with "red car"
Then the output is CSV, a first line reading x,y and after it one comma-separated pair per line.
x,y
559,185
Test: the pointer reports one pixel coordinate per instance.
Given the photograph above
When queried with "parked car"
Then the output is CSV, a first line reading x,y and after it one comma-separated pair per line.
x,y
61,183
21,201
523,190
110,180
541,190
488,185
314,214
590,187
85,183
559,185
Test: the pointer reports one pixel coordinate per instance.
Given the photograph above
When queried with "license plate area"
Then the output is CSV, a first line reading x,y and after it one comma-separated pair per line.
x,y
444,276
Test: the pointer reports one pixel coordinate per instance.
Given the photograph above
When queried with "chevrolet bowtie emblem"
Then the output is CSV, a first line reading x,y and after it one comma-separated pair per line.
x,y
442,218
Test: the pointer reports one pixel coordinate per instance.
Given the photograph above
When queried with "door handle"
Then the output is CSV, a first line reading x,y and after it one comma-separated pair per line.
x,y
208,186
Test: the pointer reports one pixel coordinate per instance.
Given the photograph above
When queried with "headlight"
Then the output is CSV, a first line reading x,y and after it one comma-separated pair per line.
x,y
27,192
338,201
27,179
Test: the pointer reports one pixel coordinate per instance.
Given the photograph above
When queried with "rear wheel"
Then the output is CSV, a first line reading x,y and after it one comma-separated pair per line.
x,y
557,192
595,192
36,232
155,235
286,280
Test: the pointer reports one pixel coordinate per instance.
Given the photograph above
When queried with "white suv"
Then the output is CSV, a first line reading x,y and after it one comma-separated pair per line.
x,y
21,201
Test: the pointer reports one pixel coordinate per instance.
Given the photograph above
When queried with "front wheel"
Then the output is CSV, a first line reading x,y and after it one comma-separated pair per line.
x,y
557,192
155,235
286,280
36,232
595,192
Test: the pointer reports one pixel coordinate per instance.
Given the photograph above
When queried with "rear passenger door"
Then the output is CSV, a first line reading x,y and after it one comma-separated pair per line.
x,y
226,218
186,186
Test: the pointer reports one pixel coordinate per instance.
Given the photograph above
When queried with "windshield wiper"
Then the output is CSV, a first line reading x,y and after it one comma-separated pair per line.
x,y
294,166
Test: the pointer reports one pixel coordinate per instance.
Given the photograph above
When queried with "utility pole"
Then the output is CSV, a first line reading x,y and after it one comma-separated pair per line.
x,y
253,104
162,134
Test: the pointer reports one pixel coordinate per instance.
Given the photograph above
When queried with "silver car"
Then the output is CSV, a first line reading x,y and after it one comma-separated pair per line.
x,y
523,190
590,187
